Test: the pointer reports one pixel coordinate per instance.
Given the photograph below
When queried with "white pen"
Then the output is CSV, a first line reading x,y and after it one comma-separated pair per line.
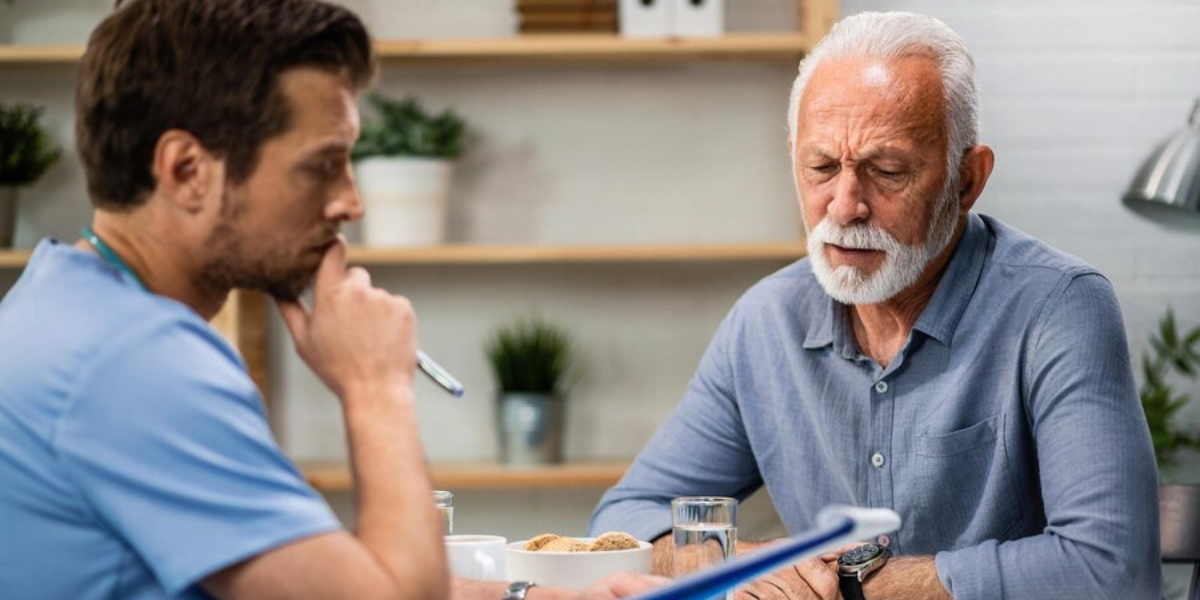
x,y
439,375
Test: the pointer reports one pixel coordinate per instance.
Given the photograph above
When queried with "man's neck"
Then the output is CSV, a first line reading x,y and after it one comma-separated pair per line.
x,y
164,267
882,329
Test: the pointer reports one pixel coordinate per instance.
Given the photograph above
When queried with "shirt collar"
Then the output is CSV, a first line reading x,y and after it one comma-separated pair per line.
x,y
954,292
821,332
940,318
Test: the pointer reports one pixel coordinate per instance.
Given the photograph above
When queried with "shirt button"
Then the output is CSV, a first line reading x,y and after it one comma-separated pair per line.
x,y
884,540
877,459
881,387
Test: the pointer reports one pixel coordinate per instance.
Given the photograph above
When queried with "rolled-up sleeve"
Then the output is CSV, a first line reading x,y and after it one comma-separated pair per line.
x,y
1096,467
702,449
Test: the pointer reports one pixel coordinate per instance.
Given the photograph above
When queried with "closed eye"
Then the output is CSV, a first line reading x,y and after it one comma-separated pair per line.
x,y
328,168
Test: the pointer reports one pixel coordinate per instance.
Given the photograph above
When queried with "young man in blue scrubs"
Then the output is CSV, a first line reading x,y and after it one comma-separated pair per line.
x,y
135,458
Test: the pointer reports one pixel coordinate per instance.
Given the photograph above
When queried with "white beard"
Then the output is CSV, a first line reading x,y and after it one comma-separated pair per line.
x,y
902,265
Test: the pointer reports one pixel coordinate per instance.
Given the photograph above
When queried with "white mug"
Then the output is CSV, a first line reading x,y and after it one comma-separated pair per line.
x,y
478,557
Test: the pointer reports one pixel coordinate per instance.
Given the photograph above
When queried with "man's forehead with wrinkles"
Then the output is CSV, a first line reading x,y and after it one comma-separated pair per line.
x,y
874,106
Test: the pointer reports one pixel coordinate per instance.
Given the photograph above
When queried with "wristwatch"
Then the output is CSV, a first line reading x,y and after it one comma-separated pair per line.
x,y
856,565
517,589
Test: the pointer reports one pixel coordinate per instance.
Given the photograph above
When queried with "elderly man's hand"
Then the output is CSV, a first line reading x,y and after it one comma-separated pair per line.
x,y
621,585
812,579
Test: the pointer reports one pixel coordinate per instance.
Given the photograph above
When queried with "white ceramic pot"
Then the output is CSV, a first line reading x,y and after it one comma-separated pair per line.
x,y
574,569
405,200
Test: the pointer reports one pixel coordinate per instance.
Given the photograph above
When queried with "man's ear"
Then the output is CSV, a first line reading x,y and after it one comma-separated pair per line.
x,y
976,168
184,169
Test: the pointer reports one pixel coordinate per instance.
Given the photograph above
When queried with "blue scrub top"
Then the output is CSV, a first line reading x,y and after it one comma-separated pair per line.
x,y
135,456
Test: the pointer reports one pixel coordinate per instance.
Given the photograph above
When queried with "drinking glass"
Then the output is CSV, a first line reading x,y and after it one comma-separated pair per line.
x,y
705,531
444,501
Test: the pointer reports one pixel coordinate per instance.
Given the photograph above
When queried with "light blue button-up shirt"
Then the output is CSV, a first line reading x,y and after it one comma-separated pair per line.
x,y
1007,432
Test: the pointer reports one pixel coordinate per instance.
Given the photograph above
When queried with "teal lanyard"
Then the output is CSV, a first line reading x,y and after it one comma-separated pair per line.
x,y
107,253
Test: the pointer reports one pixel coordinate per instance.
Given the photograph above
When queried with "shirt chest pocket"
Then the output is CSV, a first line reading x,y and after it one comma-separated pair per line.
x,y
965,486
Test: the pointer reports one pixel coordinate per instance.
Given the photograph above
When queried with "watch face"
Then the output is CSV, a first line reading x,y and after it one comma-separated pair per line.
x,y
860,555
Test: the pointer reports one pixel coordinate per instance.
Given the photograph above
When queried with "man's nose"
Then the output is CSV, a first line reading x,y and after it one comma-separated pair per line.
x,y
848,204
346,205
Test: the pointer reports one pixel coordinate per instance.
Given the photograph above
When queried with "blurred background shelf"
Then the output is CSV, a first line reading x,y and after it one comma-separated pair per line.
x,y
542,254
40,53
782,46
481,475
776,46
14,259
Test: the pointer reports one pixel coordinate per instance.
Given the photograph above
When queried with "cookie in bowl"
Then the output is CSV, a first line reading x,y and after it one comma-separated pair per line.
x,y
564,561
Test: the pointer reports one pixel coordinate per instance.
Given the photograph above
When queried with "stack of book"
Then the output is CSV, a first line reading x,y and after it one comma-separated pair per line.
x,y
567,16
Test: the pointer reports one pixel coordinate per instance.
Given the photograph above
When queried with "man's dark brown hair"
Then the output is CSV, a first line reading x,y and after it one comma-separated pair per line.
x,y
209,67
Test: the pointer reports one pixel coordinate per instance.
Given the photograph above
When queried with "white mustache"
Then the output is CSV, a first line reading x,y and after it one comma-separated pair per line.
x,y
854,237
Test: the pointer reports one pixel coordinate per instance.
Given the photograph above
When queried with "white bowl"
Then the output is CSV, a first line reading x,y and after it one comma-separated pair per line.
x,y
574,569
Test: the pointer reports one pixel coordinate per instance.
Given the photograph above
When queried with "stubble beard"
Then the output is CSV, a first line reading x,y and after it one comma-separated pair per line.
x,y
275,272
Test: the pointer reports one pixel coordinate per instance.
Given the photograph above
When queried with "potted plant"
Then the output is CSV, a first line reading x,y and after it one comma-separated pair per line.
x,y
530,359
25,154
1170,350
404,161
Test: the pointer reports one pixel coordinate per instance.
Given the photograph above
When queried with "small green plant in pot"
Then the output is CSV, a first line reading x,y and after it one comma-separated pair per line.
x,y
1170,351
26,152
530,359
404,161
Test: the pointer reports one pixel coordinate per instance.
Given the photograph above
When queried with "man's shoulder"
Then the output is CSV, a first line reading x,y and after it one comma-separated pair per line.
x,y
1032,278
67,313
789,299
792,286
1017,250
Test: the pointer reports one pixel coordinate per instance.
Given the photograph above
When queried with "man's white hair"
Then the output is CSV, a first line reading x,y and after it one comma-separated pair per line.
x,y
888,35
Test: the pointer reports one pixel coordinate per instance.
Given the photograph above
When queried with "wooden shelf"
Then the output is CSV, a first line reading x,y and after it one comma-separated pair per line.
x,y
783,46
758,46
40,54
14,259
535,254
479,476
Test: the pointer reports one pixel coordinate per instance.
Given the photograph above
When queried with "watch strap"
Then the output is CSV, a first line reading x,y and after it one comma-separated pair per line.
x,y
517,590
850,587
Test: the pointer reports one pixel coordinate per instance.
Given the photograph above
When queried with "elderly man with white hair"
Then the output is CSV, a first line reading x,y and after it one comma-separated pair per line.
x,y
923,358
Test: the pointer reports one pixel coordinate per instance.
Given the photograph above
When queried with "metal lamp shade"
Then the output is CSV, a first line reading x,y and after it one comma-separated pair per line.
x,y
1167,186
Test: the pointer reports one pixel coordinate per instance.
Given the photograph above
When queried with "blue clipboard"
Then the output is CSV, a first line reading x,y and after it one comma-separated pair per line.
x,y
837,526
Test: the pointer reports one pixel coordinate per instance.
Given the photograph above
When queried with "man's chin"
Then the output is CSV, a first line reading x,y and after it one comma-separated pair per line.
x,y
849,285
285,295
286,288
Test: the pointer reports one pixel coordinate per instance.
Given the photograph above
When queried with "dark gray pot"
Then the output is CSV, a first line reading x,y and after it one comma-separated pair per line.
x,y
8,215
530,428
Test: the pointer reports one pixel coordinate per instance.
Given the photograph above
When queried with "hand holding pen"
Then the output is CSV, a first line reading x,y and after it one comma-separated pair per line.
x,y
355,333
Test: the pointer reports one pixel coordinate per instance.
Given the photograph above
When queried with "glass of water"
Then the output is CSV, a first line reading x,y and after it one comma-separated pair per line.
x,y
705,530
444,501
